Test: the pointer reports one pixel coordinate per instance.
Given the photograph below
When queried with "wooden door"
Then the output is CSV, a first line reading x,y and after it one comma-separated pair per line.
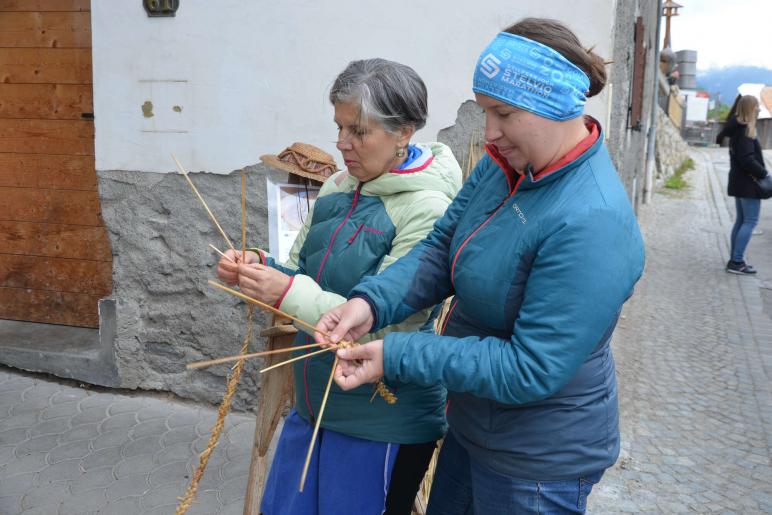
x,y
55,260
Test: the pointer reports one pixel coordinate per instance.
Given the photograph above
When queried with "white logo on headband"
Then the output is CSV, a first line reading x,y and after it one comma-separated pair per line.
x,y
489,66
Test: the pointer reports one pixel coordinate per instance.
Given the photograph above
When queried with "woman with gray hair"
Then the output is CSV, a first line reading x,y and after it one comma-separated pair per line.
x,y
370,457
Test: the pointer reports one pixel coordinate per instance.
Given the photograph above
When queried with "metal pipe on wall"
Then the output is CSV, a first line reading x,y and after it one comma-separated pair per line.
x,y
651,137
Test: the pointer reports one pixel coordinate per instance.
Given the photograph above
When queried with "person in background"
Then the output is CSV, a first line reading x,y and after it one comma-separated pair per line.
x,y
369,457
746,164
541,249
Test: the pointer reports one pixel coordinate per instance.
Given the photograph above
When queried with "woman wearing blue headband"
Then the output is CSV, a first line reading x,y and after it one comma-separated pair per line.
x,y
540,249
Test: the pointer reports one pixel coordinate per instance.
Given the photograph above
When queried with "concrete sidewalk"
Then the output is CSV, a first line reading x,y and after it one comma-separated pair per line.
x,y
694,358
66,450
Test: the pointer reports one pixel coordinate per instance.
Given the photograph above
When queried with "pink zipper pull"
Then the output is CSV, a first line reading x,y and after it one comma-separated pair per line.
x,y
351,240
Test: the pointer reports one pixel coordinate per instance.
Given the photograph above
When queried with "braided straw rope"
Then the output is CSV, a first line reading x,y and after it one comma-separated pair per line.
x,y
187,500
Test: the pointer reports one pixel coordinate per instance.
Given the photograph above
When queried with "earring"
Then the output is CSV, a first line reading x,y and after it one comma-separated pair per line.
x,y
401,152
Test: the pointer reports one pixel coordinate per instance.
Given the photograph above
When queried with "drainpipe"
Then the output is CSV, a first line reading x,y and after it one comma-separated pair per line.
x,y
652,136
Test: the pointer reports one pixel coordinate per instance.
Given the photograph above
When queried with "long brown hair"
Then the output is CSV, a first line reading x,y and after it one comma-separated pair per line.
x,y
747,113
557,36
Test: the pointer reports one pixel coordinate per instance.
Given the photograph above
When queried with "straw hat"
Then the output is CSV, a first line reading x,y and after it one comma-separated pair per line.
x,y
304,160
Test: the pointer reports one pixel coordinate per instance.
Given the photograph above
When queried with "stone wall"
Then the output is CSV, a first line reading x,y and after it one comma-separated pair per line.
x,y
627,145
165,313
671,149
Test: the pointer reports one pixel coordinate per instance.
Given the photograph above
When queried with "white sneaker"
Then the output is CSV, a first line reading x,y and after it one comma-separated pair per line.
x,y
756,232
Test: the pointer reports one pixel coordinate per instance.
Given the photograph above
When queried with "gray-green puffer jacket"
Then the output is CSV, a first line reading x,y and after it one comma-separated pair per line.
x,y
354,230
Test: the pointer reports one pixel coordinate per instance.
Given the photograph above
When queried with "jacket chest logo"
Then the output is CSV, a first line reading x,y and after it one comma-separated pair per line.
x,y
519,213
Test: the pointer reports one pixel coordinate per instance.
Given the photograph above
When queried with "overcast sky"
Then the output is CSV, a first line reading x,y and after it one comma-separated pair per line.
x,y
724,32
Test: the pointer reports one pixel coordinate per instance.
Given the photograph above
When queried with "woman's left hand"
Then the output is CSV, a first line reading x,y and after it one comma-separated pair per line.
x,y
263,283
359,365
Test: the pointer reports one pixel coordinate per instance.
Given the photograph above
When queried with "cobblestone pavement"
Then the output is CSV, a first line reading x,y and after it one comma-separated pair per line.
x,y
66,450
694,357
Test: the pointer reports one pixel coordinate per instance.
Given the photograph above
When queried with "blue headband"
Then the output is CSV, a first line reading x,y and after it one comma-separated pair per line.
x,y
526,74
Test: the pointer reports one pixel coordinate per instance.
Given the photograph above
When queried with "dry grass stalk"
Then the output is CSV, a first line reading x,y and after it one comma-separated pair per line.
x,y
203,202
316,426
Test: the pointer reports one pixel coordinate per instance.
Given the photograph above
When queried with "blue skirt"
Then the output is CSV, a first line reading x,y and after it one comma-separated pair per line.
x,y
346,475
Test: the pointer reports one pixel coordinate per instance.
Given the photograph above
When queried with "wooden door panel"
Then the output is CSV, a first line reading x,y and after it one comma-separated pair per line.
x,y
54,240
45,29
45,65
49,307
55,258
46,101
45,5
47,137
50,206
54,274
47,171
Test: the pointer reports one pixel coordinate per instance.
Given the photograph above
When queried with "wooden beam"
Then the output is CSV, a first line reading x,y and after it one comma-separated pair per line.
x,y
45,65
56,274
55,240
50,206
70,137
47,172
45,30
44,5
77,309
46,101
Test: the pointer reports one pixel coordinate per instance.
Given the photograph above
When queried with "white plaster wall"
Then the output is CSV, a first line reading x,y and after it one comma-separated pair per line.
x,y
252,77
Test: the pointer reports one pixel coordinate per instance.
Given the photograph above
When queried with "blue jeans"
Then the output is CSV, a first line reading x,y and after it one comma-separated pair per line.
x,y
748,210
463,487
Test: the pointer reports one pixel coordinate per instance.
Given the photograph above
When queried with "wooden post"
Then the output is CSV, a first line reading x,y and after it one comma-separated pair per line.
x,y
276,392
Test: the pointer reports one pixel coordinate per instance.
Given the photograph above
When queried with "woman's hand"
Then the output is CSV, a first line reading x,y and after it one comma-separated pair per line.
x,y
348,321
228,268
262,282
359,365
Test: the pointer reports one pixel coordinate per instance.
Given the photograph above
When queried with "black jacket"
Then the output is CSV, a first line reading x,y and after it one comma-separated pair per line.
x,y
745,160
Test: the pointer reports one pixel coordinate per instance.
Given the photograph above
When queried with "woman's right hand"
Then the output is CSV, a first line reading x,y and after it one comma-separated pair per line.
x,y
349,321
228,268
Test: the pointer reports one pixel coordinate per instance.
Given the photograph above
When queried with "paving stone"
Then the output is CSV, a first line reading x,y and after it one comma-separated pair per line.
x,y
23,421
61,471
6,453
125,506
37,444
206,503
180,434
13,436
166,494
52,493
170,473
175,452
130,486
10,504
152,413
144,445
81,432
17,484
149,428
114,438
91,479
68,451
32,462
85,502
106,457
163,509
51,426
67,409
121,421
126,405
182,418
89,415
142,464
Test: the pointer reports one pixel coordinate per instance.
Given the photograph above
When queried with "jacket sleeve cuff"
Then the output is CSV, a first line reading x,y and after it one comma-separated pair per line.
x,y
284,294
373,311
